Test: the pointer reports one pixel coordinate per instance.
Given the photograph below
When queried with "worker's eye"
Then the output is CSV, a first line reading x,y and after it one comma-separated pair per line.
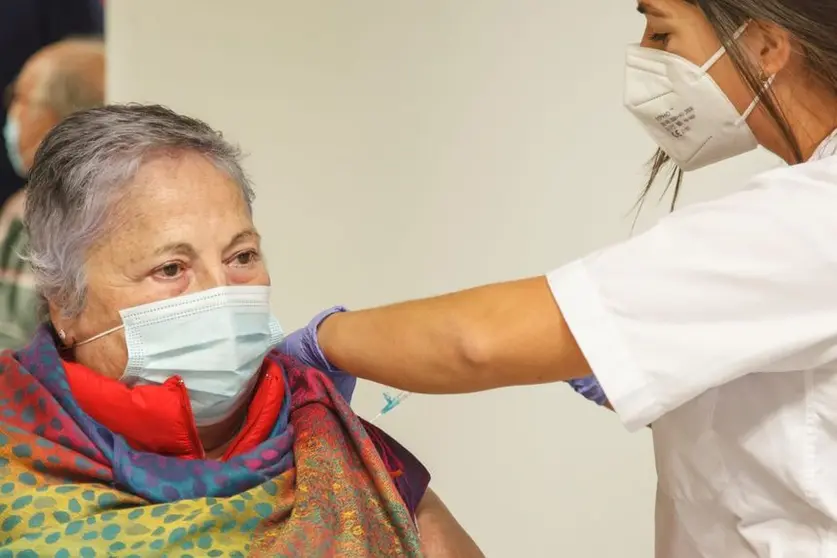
x,y
661,38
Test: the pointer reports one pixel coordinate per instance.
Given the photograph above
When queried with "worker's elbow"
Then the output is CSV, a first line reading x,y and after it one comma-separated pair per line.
x,y
474,361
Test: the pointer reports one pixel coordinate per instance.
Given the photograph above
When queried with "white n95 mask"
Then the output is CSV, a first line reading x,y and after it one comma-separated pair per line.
x,y
215,340
683,109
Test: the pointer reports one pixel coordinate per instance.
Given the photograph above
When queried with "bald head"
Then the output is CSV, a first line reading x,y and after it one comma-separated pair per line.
x,y
70,75
55,82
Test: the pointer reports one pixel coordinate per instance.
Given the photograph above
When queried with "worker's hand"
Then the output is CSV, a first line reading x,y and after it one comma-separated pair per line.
x,y
302,345
590,388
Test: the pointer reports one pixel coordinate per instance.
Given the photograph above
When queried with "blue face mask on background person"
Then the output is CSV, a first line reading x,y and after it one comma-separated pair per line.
x,y
215,340
11,135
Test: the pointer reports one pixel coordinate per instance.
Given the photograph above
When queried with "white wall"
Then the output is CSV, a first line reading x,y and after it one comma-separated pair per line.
x,y
402,149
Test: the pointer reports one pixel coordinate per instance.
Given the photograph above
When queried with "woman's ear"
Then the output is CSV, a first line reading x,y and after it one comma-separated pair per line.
x,y
63,325
772,47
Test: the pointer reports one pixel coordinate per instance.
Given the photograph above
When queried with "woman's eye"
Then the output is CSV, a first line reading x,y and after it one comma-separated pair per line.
x,y
170,270
245,258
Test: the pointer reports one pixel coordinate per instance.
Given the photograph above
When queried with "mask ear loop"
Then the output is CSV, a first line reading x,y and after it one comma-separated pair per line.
x,y
723,50
766,83
98,336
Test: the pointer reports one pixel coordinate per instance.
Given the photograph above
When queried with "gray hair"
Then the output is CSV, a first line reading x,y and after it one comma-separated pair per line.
x,y
74,78
80,172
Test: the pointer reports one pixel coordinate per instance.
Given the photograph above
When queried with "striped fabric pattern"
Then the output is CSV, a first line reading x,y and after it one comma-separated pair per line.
x,y
18,302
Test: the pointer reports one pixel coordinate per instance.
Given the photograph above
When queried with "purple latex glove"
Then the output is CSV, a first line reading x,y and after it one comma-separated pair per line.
x,y
590,388
302,345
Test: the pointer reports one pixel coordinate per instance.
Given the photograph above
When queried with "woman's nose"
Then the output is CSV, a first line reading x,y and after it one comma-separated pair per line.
x,y
212,277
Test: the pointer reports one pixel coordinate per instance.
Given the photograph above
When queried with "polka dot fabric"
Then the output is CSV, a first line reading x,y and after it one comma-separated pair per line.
x,y
319,486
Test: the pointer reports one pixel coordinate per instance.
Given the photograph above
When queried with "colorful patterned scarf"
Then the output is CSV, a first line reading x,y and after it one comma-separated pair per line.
x,y
321,485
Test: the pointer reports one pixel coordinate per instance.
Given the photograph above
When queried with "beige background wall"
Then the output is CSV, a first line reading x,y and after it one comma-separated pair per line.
x,y
412,147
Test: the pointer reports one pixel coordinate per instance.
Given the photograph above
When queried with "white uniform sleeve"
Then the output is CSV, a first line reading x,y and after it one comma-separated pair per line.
x,y
746,284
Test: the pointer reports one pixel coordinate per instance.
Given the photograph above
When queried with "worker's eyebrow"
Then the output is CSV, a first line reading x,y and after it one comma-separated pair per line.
x,y
647,9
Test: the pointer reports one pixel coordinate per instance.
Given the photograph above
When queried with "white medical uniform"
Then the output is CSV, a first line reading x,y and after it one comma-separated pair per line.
x,y
719,328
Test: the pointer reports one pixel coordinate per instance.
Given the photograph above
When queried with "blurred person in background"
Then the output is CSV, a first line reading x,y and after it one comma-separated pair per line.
x,y
58,80
26,26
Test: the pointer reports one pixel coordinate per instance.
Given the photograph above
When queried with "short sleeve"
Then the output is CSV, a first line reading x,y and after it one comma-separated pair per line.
x,y
410,476
746,284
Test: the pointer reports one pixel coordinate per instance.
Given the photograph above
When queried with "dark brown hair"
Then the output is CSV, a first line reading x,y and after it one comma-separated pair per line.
x,y
813,25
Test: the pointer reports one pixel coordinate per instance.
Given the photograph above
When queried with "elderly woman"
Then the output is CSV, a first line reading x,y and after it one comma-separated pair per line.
x,y
151,414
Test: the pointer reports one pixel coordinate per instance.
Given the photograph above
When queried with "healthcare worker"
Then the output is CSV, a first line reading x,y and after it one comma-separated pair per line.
x,y
718,327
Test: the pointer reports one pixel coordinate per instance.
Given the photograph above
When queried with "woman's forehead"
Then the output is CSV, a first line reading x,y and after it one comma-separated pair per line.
x,y
190,180
183,199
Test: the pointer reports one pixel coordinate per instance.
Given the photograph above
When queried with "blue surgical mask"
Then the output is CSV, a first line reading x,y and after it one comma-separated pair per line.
x,y
215,340
11,135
